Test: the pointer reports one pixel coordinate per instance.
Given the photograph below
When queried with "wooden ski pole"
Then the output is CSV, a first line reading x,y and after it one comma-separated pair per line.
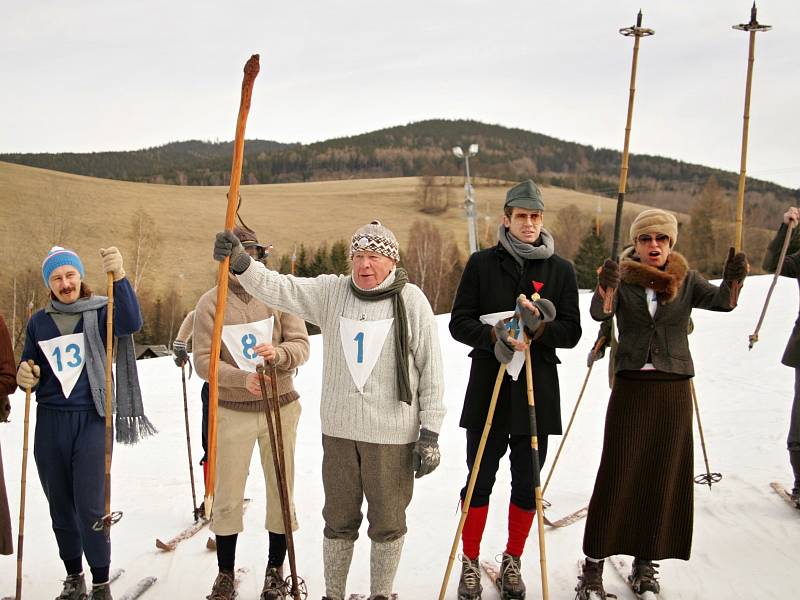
x,y
23,485
109,518
251,69
597,347
473,477
195,510
752,28
708,477
636,32
537,482
778,269
272,409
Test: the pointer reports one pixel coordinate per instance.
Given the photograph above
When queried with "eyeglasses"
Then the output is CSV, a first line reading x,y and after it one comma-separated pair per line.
x,y
257,252
647,238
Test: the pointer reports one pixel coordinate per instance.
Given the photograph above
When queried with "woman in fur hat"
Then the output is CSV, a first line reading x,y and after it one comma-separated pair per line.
x,y
642,504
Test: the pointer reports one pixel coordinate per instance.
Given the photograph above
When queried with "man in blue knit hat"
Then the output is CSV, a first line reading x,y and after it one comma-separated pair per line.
x,y
63,361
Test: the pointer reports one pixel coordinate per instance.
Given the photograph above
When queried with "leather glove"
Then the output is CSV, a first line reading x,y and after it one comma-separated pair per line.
x,y
227,244
735,267
28,375
112,262
426,455
608,277
547,312
179,354
503,351
593,356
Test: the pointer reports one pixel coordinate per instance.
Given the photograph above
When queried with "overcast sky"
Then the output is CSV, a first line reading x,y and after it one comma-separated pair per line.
x,y
90,75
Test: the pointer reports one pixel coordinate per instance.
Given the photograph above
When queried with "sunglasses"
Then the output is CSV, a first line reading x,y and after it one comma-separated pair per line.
x,y
646,238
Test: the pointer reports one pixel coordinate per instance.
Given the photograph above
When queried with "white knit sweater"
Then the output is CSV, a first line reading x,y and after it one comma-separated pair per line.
x,y
376,416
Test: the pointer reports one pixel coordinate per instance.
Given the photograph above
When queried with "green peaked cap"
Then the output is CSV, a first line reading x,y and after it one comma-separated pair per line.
x,y
525,195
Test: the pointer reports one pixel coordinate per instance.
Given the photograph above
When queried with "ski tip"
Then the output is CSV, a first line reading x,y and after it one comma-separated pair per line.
x,y
164,546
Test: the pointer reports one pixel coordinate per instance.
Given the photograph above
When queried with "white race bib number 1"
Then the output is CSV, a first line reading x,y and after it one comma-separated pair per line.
x,y
241,340
362,342
67,357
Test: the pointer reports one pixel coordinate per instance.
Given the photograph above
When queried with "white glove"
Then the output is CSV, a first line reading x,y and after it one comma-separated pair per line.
x,y
27,376
112,262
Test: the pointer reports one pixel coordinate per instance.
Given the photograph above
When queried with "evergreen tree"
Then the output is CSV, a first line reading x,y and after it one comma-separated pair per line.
x,y
340,258
591,254
321,262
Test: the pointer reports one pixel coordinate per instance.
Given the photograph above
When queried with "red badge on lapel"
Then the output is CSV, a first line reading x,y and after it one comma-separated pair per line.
x,y
537,285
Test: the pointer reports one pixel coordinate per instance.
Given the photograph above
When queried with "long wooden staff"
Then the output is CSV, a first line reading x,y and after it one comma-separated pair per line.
x,y
473,477
778,269
537,482
273,409
23,482
195,511
752,27
250,72
636,32
109,518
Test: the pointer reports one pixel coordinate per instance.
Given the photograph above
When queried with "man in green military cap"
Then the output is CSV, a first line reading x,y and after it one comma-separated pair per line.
x,y
522,262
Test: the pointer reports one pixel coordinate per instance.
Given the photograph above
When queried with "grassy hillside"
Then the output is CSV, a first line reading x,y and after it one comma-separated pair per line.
x,y
39,208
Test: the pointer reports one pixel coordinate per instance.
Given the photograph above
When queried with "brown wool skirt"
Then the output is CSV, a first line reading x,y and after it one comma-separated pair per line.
x,y
6,542
643,499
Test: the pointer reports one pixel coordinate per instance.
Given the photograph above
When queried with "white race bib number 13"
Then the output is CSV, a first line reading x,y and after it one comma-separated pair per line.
x,y
67,357
362,342
241,340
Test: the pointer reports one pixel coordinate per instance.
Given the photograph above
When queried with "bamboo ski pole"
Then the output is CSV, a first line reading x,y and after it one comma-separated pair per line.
x,y
251,69
778,269
273,411
23,485
597,347
537,482
708,477
195,510
473,477
636,32
752,28
109,518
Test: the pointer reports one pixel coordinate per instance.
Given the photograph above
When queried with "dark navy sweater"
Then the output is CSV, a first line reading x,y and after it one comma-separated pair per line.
x,y
127,320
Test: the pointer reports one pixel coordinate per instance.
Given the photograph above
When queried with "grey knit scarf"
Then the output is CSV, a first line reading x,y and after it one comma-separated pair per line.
x,y
131,422
522,251
400,325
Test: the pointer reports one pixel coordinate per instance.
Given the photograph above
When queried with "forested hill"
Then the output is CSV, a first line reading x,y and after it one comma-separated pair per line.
x,y
422,148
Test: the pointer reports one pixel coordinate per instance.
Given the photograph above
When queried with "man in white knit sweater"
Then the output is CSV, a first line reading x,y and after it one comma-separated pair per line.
x,y
382,391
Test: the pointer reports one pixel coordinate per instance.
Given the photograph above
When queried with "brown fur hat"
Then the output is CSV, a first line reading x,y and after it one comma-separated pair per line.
x,y
655,220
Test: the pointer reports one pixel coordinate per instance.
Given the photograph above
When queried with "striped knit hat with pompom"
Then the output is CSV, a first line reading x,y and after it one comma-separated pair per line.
x,y
374,237
58,257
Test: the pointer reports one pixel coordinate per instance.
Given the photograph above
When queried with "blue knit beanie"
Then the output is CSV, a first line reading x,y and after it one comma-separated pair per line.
x,y
58,257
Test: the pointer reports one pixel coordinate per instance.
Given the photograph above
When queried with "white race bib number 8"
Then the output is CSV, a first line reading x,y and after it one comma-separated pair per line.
x,y
241,341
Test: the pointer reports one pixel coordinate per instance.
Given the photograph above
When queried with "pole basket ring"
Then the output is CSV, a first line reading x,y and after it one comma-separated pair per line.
x,y
637,31
753,339
545,504
752,27
108,520
708,478
301,588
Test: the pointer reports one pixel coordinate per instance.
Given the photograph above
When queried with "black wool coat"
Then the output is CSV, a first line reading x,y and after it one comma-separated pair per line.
x,y
491,282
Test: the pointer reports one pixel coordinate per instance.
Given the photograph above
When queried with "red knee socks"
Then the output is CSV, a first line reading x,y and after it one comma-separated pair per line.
x,y
473,531
519,525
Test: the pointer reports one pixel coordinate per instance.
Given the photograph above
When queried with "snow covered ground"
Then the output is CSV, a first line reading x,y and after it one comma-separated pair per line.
x,y
746,539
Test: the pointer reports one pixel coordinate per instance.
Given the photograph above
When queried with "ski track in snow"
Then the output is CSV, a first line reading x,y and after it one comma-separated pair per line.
x,y
746,538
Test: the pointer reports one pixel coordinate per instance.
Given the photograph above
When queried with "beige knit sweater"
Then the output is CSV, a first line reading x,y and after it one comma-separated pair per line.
x,y
289,336
376,416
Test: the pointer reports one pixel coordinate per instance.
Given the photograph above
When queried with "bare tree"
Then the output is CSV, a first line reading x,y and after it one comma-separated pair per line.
x,y
434,264
145,238
569,227
433,198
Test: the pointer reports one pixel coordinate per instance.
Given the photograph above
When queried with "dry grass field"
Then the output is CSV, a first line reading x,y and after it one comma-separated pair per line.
x,y
39,208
